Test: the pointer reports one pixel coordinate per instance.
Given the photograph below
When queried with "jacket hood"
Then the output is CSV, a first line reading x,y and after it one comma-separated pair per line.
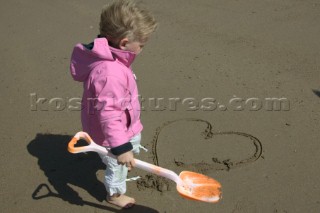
x,y
85,57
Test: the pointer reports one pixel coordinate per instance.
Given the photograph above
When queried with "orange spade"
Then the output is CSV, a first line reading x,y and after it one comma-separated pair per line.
x,y
190,185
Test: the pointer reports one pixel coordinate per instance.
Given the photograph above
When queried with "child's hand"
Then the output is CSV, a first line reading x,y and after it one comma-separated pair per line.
x,y
127,159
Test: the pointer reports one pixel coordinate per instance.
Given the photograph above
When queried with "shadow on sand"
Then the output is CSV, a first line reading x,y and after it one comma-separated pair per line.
x,y
64,169
316,92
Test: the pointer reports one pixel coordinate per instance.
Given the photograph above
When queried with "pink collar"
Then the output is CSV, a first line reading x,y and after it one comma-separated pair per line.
x,y
126,57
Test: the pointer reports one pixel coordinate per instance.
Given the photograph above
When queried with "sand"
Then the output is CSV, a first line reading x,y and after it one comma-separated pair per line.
x,y
266,159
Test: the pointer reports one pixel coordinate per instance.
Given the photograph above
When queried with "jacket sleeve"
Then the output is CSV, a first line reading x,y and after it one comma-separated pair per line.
x,y
110,104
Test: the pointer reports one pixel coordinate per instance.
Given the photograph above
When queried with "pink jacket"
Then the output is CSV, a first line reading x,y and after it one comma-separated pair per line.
x,y
110,106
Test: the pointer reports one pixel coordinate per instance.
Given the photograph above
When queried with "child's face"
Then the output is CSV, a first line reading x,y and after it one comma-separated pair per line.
x,y
133,46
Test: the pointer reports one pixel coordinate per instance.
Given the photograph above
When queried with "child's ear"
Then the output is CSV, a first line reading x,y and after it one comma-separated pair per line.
x,y
123,43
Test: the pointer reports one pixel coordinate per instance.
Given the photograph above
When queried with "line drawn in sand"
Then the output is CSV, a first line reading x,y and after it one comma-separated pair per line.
x,y
161,184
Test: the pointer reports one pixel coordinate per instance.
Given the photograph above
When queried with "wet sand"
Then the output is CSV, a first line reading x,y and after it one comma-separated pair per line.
x,y
246,52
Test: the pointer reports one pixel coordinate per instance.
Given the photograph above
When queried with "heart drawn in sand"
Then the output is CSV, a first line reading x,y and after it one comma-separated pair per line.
x,y
191,144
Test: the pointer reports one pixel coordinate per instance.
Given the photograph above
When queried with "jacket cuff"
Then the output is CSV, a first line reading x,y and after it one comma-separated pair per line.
x,y
121,149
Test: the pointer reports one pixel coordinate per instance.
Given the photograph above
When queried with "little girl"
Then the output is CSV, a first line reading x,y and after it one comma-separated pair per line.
x,y
110,106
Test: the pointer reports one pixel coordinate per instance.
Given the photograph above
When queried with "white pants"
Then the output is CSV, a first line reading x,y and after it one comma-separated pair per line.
x,y
115,174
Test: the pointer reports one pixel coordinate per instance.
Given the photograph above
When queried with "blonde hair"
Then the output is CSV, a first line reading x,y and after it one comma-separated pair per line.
x,y
125,19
